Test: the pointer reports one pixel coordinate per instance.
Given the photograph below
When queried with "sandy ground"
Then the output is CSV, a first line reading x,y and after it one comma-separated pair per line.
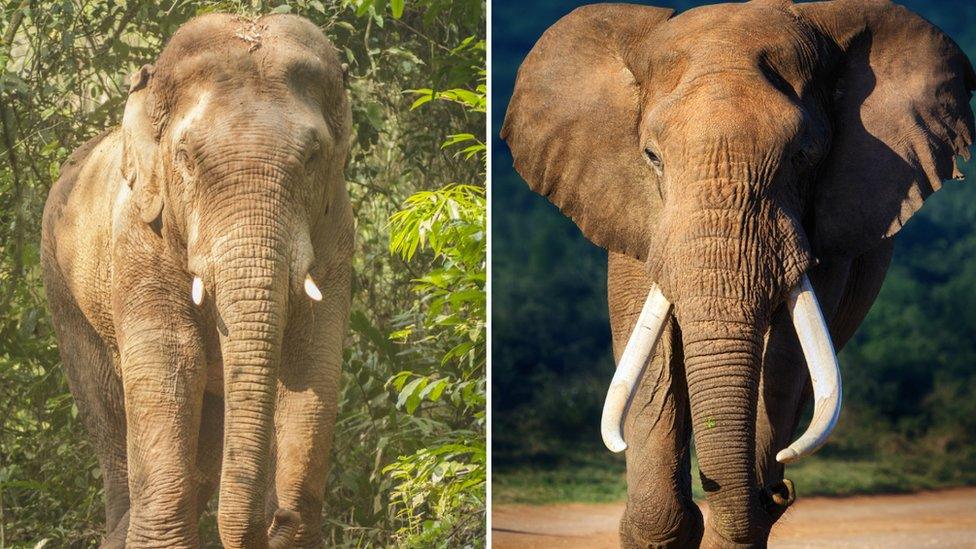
x,y
931,519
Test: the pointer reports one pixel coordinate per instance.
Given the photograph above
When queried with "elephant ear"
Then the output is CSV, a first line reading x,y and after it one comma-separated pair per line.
x,y
572,125
140,146
901,115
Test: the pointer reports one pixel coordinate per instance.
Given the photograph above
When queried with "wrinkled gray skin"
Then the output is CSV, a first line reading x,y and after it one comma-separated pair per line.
x,y
228,165
722,153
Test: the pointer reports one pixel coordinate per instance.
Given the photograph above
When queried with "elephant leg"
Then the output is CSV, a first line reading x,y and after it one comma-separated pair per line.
x,y
97,390
164,377
209,449
305,415
304,422
116,537
784,388
660,511
846,291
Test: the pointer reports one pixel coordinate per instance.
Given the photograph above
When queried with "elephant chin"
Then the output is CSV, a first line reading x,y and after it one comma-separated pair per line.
x,y
814,336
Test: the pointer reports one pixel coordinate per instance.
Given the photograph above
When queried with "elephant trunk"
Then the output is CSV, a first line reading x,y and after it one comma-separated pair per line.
x,y
251,277
722,306
722,368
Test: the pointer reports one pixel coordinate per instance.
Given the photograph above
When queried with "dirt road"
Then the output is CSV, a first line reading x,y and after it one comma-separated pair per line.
x,y
931,519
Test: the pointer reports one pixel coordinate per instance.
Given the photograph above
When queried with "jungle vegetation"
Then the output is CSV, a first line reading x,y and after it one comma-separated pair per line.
x,y
409,465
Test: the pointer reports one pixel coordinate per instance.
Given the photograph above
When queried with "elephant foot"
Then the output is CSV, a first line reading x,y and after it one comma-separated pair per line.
x,y
714,540
642,531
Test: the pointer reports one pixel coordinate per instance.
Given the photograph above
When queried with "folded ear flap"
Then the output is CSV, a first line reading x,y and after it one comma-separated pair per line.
x,y
572,124
901,114
139,148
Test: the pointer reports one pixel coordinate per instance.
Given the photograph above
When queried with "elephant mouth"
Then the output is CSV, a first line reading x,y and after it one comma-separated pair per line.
x,y
811,330
197,290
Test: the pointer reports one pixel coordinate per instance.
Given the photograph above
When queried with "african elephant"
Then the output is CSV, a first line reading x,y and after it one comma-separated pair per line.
x,y
197,264
746,166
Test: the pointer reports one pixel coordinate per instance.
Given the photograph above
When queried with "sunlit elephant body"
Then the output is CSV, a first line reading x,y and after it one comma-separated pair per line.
x,y
197,265
726,156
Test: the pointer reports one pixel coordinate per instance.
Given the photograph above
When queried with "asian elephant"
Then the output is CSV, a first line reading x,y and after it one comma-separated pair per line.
x,y
746,166
197,264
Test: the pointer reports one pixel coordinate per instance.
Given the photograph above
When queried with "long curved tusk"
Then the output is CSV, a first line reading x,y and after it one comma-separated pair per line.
x,y
640,346
311,289
811,329
196,291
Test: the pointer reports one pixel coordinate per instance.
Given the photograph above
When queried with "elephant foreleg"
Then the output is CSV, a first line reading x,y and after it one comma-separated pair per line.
x,y
784,389
660,511
785,386
304,423
847,290
163,377
209,449
305,415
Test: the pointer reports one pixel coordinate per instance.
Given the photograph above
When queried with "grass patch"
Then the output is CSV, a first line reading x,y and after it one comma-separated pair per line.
x,y
592,479
584,482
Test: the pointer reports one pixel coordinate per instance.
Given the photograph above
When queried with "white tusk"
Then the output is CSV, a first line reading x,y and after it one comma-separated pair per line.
x,y
196,291
639,348
311,289
821,359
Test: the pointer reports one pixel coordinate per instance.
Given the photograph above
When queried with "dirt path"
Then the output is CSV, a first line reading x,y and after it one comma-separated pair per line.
x,y
931,519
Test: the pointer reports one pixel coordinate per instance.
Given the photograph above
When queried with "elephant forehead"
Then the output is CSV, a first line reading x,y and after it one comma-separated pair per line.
x,y
743,38
225,37
221,50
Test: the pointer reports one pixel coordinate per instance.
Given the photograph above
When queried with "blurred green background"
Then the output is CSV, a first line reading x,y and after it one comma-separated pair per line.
x,y
409,466
909,418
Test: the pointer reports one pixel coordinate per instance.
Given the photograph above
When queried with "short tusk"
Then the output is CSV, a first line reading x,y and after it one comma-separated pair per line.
x,y
811,329
639,348
196,291
311,289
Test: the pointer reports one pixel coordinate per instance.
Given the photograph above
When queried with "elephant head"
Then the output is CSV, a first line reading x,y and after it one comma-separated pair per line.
x,y
235,144
731,147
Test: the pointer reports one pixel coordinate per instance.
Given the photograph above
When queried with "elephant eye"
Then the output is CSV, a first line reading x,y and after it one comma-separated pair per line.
x,y
807,155
313,157
314,153
801,159
654,160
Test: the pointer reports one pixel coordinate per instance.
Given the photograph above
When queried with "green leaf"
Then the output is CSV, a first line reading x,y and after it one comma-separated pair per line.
x,y
434,391
420,101
410,391
396,7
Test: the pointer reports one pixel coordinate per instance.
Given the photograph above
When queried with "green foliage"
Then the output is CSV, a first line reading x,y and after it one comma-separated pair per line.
x,y
440,490
417,324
